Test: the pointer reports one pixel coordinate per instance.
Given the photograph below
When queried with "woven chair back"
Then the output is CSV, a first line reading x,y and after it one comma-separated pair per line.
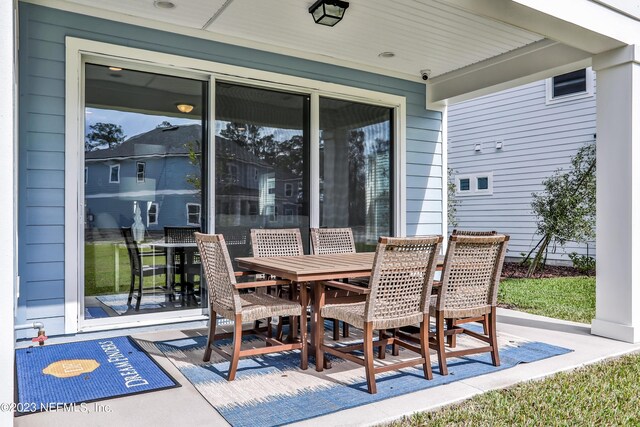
x,y
223,296
332,241
471,271
276,242
180,234
132,250
402,277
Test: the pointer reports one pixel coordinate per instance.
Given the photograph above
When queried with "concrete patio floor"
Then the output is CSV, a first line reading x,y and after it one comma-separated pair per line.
x,y
185,406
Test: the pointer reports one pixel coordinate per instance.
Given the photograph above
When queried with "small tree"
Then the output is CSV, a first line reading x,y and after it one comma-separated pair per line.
x,y
103,135
566,210
452,201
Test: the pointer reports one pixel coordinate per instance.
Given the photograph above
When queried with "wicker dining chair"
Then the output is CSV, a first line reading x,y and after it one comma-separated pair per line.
x,y
190,257
451,339
398,295
138,268
468,290
226,300
326,241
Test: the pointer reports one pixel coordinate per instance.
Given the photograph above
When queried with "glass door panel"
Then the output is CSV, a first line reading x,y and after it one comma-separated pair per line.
x,y
143,192
356,160
262,172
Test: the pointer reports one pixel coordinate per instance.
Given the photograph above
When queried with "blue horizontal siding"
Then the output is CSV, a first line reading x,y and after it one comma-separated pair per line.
x,y
41,151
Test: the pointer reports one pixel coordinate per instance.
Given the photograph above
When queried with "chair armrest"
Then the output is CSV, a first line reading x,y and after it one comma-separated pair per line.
x,y
346,287
261,283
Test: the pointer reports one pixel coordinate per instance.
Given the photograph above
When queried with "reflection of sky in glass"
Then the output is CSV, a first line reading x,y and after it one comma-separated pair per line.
x,y
279,134
132,123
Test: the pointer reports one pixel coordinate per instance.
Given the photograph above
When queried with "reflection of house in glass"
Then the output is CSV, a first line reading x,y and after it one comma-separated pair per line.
x,y
160,171
378,172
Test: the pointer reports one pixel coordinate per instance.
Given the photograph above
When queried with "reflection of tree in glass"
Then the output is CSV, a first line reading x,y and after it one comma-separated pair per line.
x,y
283,155
103,135
193,148
164,124
357,177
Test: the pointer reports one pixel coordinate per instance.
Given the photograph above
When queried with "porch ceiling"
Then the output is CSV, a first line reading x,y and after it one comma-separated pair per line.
x,y
423,34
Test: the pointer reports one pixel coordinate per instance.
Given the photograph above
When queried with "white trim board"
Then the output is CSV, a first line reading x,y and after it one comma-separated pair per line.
x,y
79,51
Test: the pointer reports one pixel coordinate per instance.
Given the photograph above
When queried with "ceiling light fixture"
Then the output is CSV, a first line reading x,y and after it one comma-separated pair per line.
x,y
328,12
184,108
386,55
164,4
115,68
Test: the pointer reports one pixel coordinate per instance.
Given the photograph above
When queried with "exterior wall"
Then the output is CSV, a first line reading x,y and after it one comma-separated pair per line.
x,y
41,137
538,138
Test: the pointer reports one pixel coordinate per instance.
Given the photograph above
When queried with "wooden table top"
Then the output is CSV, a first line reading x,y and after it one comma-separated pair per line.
x,y
306,268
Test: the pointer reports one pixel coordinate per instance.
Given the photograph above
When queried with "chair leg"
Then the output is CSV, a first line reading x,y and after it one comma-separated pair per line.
x,y
140,276
336,329
395,348
495,356
345,330
131,287
237,342
424,347
213,320
442,357
381,350
368,357
451,339
320,340
269,328
485,325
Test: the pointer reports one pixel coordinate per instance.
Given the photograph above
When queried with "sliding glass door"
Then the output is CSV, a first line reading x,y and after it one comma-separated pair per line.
x,y
356,176
144,154
262,163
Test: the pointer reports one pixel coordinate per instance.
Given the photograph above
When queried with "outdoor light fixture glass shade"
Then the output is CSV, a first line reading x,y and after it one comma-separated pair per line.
x,y
184,108
328,12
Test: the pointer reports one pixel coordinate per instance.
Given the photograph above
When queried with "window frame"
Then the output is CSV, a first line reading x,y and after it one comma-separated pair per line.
x,y
191,204
157,213
111,168
473,184
550,99
144,171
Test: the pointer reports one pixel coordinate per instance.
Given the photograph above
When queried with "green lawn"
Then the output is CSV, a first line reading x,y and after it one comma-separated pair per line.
x,y
602,394
100,267
568,298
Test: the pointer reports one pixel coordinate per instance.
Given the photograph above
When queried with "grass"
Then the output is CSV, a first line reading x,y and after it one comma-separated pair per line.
x,y
99,267
568,298
601,394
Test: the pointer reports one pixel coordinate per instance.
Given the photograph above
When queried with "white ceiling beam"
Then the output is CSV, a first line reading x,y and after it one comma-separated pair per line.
x,y
536,61
584,24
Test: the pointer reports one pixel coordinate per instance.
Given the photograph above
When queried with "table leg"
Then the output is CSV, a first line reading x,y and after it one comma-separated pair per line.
x,y
317,323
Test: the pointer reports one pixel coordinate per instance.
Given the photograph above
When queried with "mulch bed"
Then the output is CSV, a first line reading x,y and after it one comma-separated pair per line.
x,y
515,270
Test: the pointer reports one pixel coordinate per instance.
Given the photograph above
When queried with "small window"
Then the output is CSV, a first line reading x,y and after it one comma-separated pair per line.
x,y
483,183
86,175
255,174
569,86
288,190
232,171
475,184
152,214
573,82
114,174
193,213
140,168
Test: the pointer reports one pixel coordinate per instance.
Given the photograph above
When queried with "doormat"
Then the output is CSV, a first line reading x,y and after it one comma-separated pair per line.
x,y
272,390
51,376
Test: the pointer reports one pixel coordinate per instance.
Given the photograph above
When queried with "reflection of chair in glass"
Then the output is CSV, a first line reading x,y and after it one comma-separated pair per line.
x,y
398,295
226,301
335,241
138,269
186,261
469,289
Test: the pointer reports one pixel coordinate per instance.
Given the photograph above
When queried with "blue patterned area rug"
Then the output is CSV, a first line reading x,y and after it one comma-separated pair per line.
x,y
86,371
272,390
118,302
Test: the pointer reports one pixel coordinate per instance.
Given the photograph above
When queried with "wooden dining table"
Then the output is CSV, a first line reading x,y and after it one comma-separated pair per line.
x,y
311,270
